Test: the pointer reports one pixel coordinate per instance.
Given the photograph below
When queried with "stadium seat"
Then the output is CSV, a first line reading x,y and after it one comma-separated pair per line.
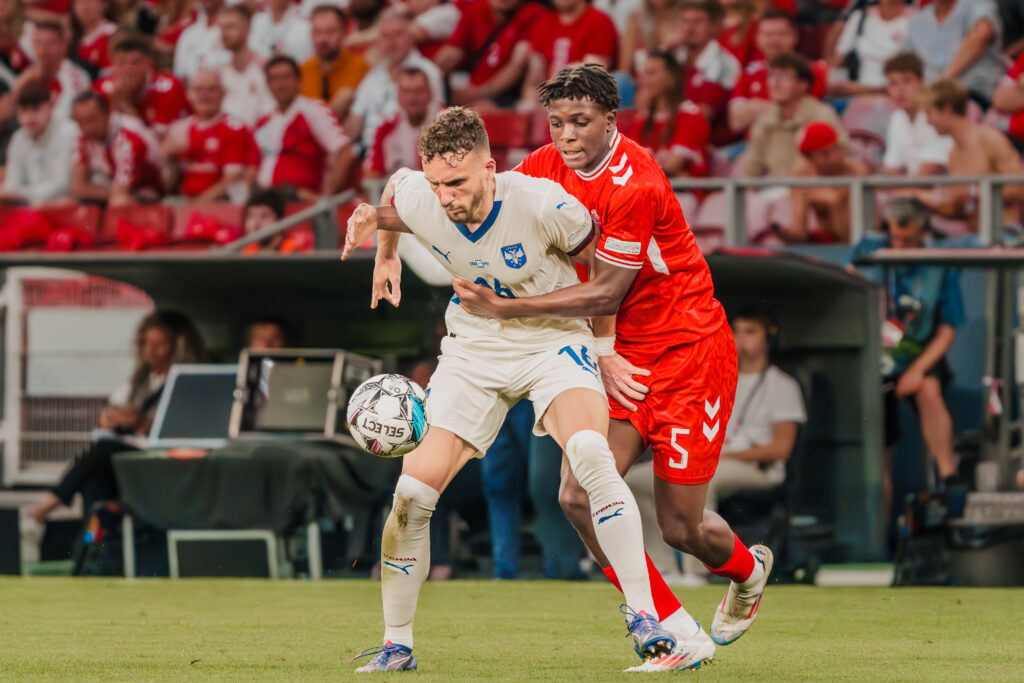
x,y
225,214
625,120
155,217
507,129
84,216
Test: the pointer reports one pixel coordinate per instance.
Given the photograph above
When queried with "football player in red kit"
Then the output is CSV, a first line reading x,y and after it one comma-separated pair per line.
x,y
667,356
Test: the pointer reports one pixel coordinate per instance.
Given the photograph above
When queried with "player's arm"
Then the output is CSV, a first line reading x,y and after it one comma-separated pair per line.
x,y
368,219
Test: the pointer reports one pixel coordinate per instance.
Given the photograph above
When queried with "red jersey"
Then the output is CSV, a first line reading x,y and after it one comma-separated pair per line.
x,y
162,102
478,23
130,156
213,149
672,300
1016,128
95,47
742,46
753,83
593,33
690,136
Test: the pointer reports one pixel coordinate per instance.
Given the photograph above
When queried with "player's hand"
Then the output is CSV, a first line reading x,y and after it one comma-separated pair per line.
x,y
387,270
478,300
361,226
909,383
617,373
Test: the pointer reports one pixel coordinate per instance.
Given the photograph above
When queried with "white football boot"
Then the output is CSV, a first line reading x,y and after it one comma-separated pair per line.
x,y
689,653
738,609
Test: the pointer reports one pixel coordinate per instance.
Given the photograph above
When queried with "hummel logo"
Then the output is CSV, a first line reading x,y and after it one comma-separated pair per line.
x,y
624,178
602,520
443,254
403,568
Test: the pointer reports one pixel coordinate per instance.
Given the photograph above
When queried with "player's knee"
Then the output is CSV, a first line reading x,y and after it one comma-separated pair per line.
x,y
414,503
591,458
573,501
682,534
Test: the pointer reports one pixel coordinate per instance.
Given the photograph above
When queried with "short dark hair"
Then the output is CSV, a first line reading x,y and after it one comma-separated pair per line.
x,y
239,9
134,43
760,315
330,9
455,130
946,92
582,82
774,13
796,63
32,95
282,59
270,198
54,26
713,8
274,320
87,96
905,62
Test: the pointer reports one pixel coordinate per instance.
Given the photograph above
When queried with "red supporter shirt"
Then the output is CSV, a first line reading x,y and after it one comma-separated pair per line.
x,y
95,47
672,300
476,25
593,33
213,149
753,83
1016,128
130,156
295,144
163,100
743,48
691,136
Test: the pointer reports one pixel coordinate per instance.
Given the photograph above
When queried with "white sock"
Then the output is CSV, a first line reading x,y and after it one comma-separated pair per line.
x,y
405,556
680,624
615,515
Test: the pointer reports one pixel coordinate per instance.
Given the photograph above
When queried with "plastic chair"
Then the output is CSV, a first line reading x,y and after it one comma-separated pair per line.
x,y
152,216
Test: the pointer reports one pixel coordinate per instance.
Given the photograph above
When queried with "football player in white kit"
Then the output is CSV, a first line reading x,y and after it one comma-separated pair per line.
x,y
518,235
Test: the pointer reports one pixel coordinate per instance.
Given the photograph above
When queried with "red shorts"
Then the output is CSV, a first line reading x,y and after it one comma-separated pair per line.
x,y
684,415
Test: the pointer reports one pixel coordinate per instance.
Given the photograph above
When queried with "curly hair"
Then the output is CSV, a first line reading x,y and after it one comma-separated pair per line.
x,y
582,82
456,131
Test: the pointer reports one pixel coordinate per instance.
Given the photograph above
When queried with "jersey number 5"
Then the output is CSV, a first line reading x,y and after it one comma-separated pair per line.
x,y
684,456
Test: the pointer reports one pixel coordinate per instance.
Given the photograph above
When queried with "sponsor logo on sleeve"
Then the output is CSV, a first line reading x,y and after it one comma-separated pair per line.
x,y
622,247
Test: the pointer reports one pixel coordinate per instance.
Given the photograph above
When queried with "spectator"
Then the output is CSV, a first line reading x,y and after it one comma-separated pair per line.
x,y
136,87
777,33
13,46
870,36
911,144
433,22
396,141
959,39
301,143
773,137
162,339
574,33
52,67
739,29
769,409
710,72
38,167
824,155
976,150
673,129
118,158
652,26
492,45
333,73
8,124
262,209
137,16
245,85
93,30
923,309
199,46
266,335
175,17
1009,100
216,153
362,31
376,100
280,29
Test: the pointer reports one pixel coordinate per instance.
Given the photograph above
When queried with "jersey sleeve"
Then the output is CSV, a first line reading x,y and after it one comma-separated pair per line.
x,y
566,221
408,199
125,156
325,128
626,233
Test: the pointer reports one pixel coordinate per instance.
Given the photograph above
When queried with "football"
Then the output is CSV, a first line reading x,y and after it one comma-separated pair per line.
x,y
387,415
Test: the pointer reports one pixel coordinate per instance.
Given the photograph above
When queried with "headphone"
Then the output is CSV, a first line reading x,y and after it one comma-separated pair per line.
x,y
768,321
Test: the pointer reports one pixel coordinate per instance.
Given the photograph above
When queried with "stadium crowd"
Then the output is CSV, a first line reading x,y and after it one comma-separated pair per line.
x,y
119,103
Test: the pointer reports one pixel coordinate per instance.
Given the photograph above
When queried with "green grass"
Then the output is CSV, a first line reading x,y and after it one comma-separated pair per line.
x,y
159,630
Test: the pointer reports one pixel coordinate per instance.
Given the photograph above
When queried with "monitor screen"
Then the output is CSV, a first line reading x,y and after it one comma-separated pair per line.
x,y
287,394
199,406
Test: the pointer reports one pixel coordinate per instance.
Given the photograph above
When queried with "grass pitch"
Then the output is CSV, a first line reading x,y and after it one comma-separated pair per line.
x,y
159,630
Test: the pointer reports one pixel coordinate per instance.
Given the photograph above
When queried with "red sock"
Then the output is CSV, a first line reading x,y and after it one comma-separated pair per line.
x,y
739,566
665,600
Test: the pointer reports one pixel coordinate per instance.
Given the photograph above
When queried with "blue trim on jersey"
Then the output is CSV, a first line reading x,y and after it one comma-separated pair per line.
x,y
583,245
477,235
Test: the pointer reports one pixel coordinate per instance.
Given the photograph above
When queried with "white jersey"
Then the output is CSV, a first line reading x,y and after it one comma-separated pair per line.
x,y
523,248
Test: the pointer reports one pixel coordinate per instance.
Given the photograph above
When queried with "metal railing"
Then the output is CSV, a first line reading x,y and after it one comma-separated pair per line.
x,y
862,197
322,215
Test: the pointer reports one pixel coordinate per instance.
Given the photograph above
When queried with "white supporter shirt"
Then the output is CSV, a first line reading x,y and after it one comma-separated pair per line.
x,y
879,41
290,36
521,249
199,47
910,144
246,96
758,406
439,21
376,98
40,170
73,80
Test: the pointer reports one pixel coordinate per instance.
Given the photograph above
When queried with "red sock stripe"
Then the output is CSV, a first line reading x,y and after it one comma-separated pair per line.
x,y
739,566
665,601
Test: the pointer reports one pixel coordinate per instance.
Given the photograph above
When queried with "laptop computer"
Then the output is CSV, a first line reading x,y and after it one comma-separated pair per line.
x,y
195,407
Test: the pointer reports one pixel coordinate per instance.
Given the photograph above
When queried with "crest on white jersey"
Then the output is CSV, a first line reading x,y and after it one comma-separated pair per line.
x,y
514,255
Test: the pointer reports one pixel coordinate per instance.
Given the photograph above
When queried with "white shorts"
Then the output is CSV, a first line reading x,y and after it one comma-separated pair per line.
x,y
472,390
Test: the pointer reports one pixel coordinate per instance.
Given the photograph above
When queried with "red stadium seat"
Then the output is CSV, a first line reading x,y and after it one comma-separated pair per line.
x,y
155,217
507,129
625,119
224,213
84,216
